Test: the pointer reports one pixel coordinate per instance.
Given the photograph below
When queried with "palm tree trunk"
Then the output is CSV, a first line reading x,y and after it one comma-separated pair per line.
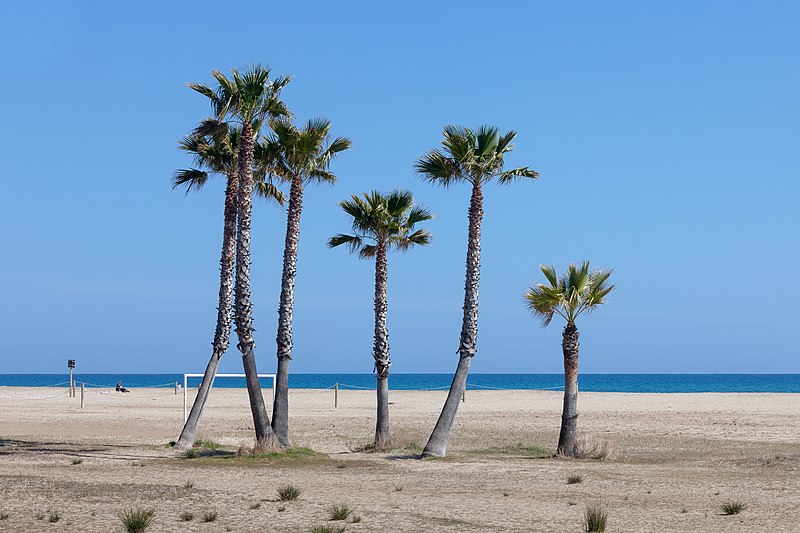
x,y
380,349
437,443
568,438
280,409
223,330
243,306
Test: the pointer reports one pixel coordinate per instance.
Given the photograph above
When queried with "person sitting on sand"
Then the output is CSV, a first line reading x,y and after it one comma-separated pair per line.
x,y
120,388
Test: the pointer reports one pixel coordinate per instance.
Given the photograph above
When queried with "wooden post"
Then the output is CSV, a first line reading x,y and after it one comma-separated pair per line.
x,y
71,385
82,384
464,394
176,388
336,395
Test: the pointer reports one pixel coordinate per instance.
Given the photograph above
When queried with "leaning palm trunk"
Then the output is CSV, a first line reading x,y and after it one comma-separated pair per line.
x,y
380,350
223,330
244,308
280,409
437,443
568,438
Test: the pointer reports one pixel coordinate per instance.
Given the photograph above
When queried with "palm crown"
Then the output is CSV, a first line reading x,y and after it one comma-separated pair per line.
x,y
387,219
576,291
475,156
247,97
305,152
217,153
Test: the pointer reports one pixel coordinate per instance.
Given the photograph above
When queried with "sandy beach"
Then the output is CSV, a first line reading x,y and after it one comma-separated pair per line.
x,y
676,458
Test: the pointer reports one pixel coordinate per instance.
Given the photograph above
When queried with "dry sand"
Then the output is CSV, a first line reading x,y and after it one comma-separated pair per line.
x,y
676,459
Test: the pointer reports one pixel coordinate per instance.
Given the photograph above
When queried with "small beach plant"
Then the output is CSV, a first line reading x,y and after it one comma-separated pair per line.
x,y
339,512
380,224
289,493
137,520
475,157
210,516
732,508
578,290
594,519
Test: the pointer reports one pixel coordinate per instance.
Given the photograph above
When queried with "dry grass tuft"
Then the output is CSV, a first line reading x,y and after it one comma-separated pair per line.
x,y
594,520
289,493
732,508
593,448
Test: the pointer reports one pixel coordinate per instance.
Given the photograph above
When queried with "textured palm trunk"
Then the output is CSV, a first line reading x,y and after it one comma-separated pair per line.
x,y
568,438
280,409
222,333
380,349
437,443
243,305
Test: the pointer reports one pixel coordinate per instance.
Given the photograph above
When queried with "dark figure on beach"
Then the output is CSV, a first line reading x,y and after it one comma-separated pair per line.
x,y
120,388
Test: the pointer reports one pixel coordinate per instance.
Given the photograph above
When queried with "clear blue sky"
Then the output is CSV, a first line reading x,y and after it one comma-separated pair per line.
x,y
666,134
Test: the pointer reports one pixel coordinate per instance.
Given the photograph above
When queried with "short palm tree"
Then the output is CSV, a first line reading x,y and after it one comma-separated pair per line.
x,y
577,291
217,155
381,223
477,157
247,98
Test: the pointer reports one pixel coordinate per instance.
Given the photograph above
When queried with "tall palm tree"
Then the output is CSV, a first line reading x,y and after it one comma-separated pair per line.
x,y
477,157
381,223
299,156
217,155
577,291
246,98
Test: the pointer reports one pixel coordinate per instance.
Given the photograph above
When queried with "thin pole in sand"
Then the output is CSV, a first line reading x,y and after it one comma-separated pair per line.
x,y
336,395
82,384
176,388
464,394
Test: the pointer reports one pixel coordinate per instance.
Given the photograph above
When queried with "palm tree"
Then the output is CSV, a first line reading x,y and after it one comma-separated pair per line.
x,y
217,155
577,291
477,157
247,98
381,223
299,156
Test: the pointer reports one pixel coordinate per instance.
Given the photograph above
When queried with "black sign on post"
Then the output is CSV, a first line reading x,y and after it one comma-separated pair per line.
x,y
71,365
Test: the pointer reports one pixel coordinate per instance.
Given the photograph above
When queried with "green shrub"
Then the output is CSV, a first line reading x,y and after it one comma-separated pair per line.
x,y
328,529
595,519
289,493
210,516
137,520
732,508
571,480
186,517
339,512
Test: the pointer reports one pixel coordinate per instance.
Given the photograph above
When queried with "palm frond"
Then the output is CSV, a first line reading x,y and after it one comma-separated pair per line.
x,y
509,176
368,251
269,191
436,167
353,242
191,178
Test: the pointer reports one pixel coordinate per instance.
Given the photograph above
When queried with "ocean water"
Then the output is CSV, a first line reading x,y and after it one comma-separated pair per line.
x,y
586,382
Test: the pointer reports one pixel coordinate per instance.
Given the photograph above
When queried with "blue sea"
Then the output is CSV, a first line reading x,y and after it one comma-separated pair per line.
x,y
587,382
